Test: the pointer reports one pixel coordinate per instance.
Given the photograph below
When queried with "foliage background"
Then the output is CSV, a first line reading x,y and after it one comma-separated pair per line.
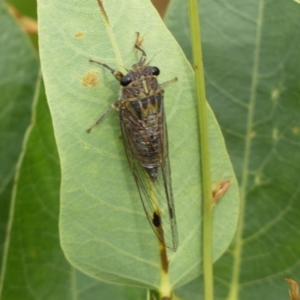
x,y
252,73
252,80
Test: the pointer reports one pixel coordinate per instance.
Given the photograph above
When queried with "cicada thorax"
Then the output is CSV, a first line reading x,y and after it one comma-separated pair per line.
x,y
142,114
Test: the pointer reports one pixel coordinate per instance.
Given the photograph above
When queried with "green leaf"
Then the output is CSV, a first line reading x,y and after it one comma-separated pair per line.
x,y
104,231
34,266
251,60
19,71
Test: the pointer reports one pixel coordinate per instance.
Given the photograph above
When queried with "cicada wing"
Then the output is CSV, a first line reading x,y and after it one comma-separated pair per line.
x,y
156,197
166,181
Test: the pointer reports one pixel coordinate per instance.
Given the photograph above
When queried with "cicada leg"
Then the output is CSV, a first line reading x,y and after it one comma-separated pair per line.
x,y
114,106
137,44
117,74
171,80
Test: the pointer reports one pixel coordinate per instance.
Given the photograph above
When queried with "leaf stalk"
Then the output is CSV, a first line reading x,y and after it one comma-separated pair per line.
x,y
204,149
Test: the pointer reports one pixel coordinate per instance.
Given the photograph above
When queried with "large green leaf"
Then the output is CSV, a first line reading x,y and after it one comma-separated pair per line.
x,y
251,59
34,266
19,71
104,231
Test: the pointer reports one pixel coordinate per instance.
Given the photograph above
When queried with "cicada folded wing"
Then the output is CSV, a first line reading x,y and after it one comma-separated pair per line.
x,y
145,140
147,153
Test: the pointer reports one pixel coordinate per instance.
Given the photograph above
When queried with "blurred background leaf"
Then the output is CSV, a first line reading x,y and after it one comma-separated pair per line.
x,y
25,13
19,71
252,68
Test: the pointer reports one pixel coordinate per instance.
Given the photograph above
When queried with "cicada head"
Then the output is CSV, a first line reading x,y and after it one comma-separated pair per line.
x,y
140,82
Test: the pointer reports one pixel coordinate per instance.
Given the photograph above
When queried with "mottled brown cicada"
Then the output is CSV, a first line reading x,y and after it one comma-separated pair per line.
x,y
145,138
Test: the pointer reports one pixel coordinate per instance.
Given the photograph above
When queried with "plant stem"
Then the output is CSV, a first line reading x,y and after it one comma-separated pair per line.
x,y
204,149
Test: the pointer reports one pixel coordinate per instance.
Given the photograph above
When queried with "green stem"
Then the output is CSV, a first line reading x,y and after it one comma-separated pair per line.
x,y
204,149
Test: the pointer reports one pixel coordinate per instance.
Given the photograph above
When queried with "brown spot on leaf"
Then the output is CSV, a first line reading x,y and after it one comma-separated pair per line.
x,y
90,79
79,34
219,189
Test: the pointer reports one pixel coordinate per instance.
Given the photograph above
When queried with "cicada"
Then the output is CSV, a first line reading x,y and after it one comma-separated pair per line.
x,y
144,133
